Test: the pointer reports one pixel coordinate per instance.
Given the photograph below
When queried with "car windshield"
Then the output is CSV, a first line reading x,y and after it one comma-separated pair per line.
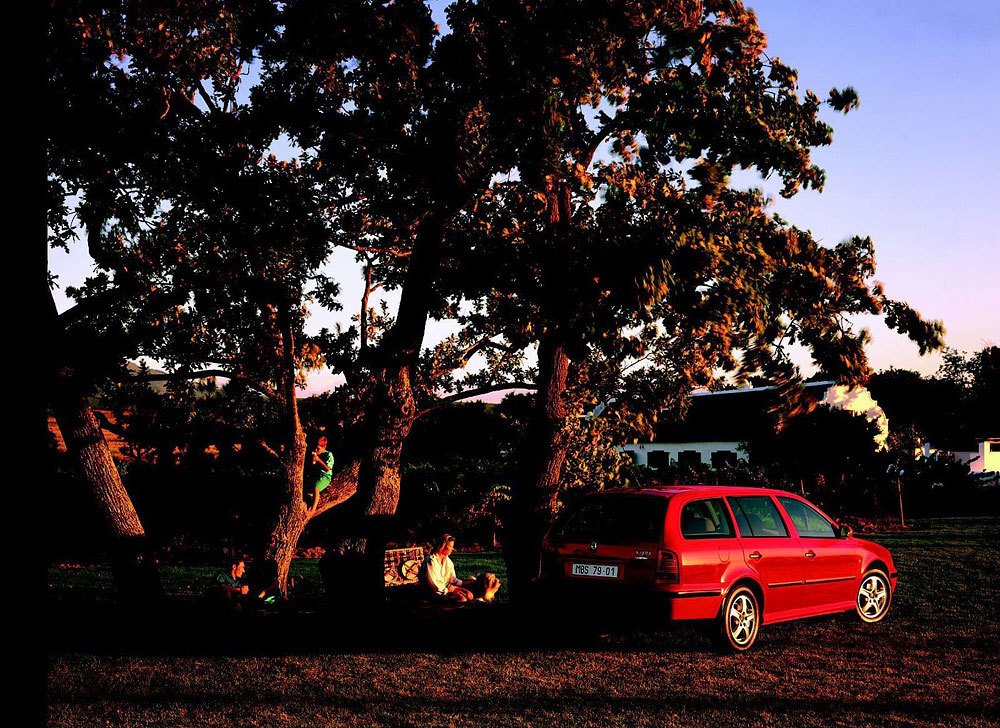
x,y
612,520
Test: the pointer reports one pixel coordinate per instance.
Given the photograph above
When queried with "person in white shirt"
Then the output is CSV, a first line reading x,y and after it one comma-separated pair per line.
x,y
437,574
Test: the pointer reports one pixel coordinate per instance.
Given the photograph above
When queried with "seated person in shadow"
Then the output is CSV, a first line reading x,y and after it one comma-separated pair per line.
x,y
437,575
228,591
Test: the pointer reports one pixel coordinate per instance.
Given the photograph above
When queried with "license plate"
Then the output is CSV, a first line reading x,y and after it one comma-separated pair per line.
x,y
604,571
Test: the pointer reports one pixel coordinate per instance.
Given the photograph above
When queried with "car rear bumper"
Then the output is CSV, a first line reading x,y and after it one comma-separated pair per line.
x,y
661,602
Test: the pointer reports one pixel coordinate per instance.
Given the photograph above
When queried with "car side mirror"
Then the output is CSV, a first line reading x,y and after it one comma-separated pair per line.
x,y
844,531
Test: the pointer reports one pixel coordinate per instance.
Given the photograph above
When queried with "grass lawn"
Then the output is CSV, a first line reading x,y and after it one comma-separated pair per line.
x,y
934,661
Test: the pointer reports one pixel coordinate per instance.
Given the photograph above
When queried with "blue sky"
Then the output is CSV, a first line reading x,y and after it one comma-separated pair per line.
x,y
915,167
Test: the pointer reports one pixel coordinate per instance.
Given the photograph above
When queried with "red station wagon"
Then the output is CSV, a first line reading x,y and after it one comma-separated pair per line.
x,y
740,556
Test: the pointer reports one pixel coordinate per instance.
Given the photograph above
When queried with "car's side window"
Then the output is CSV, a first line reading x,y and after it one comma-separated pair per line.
x,y
706,519
758,517
807,520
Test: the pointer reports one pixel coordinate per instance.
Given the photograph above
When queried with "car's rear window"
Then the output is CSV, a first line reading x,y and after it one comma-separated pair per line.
x,y
757,516
612,520
706,518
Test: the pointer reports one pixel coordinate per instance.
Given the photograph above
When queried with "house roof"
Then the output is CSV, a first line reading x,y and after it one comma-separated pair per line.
x,y
732,415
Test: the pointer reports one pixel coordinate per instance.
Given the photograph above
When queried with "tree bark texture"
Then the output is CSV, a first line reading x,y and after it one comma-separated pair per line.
x,y
85,441
291,522
343,485
393,409
84,438
379,472
543,454
293,514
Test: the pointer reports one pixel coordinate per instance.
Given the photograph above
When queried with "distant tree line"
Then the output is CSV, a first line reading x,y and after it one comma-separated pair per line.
x,y
188,445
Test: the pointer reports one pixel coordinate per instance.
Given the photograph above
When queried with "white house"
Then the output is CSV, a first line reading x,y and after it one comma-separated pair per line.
x,y
984,459
717,423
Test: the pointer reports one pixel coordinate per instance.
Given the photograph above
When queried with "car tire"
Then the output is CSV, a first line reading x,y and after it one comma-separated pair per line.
x,y
874,596
739,620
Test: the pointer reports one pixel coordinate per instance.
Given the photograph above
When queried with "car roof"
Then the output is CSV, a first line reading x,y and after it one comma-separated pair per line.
x,y
667,491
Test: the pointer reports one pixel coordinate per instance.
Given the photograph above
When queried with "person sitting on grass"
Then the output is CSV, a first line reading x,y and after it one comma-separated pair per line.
x,y
437,575
228,588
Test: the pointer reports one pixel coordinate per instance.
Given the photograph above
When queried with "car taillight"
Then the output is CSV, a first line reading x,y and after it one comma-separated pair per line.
x,y
667,568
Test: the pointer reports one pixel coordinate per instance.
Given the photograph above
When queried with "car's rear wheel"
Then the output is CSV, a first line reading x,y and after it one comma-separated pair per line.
x,y
874,596
739,620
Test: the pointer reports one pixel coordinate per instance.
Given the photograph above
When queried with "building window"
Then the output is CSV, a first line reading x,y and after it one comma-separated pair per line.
x,y
633,455
995,447
657,459
687,458
723,458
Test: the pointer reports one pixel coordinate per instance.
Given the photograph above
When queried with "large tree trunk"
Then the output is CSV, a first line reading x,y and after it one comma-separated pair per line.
x,y
378,477
536,490
85,441
134,570
292,513
393,408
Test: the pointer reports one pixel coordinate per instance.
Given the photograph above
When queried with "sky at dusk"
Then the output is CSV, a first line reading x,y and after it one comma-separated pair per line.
x,y
915,167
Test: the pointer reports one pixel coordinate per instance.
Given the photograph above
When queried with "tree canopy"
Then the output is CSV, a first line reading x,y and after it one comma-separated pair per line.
x,y
550,175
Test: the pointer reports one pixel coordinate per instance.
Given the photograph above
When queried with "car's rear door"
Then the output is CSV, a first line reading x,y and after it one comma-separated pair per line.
x,y
771,550
708,544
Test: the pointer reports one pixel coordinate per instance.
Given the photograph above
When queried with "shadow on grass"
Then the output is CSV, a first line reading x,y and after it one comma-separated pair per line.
x,y
182,628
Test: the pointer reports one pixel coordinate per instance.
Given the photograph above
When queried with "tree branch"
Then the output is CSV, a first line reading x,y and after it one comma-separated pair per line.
x,y
464,357
612,125
207,99
386,251
475,392
363,320
87,306
269,450
343,485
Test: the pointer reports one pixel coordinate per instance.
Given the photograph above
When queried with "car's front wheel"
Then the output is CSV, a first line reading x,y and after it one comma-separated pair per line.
x,y
874,596
739,620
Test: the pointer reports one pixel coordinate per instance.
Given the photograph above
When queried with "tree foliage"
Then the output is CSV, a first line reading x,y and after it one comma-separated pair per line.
x,y
950,409
546,174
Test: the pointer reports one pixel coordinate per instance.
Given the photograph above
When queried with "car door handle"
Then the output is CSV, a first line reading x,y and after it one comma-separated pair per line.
x,y
756,555
810,554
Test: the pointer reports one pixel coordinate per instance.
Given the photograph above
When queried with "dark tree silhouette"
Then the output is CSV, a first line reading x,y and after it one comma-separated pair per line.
x,y
114,74
619,237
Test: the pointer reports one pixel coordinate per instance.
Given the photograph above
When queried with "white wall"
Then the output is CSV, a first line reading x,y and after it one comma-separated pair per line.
x,y
982,460
673,448
988,462
971,457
